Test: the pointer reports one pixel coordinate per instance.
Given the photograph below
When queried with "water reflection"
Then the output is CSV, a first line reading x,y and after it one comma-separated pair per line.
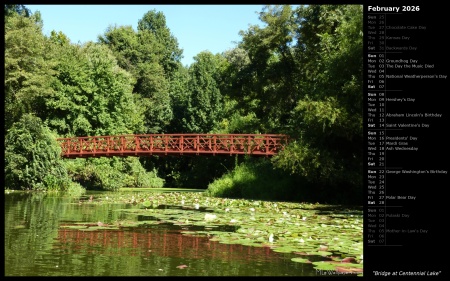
x,y
37,245
167,243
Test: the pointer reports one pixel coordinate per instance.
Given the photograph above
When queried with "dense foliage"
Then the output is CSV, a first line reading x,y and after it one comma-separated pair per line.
x,y
32,157
299,73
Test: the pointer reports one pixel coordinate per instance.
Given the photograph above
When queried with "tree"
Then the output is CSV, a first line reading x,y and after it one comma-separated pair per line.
x,y
179,94
33,157
239,108
92,95
269,79
327,119
170,54
141,54
29,67
20,10
205,102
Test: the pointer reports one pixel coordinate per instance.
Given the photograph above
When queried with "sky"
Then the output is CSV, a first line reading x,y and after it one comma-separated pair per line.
x,y
197,28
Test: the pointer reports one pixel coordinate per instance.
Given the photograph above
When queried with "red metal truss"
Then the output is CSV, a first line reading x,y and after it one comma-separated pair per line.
x,y
172,144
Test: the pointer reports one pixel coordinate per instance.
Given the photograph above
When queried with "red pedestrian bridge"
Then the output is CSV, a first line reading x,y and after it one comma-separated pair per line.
x,y
173,144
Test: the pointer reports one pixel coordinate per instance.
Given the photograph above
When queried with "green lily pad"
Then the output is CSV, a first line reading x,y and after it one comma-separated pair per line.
x,y
301,260
285,249
321,253
324,265
299,228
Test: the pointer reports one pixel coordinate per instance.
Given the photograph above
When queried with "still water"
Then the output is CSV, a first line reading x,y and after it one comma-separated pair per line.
x,y
38,244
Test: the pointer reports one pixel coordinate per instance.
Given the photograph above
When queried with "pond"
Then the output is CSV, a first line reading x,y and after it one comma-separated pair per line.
x,y
171,233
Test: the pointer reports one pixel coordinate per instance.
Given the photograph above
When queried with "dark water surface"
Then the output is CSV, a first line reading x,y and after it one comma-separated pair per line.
x,y
37,245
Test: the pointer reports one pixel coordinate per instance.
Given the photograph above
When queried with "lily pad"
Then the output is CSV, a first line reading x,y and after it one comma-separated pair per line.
x,y
323,265
321,253
298,228
285,249
147,204
301,260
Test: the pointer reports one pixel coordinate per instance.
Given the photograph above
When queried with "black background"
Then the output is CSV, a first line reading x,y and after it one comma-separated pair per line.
x,y
416,252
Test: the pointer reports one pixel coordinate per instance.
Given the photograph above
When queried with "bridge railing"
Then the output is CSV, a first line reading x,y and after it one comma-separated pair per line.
x,y
165,144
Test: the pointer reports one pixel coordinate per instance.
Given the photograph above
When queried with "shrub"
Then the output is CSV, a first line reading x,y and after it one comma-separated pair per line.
x,y
33,157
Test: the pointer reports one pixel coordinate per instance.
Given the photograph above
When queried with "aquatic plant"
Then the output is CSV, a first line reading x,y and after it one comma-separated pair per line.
x,y
333,233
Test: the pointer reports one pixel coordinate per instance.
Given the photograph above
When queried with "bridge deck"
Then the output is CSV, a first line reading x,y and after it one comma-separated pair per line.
x,y
172,144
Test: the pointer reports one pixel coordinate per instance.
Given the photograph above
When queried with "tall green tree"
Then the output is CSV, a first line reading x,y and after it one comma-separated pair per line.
x,y
170,54
205,102
179,93
29,67
269,78
124,43
239,107
92,95
327,118
153,88
153,57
